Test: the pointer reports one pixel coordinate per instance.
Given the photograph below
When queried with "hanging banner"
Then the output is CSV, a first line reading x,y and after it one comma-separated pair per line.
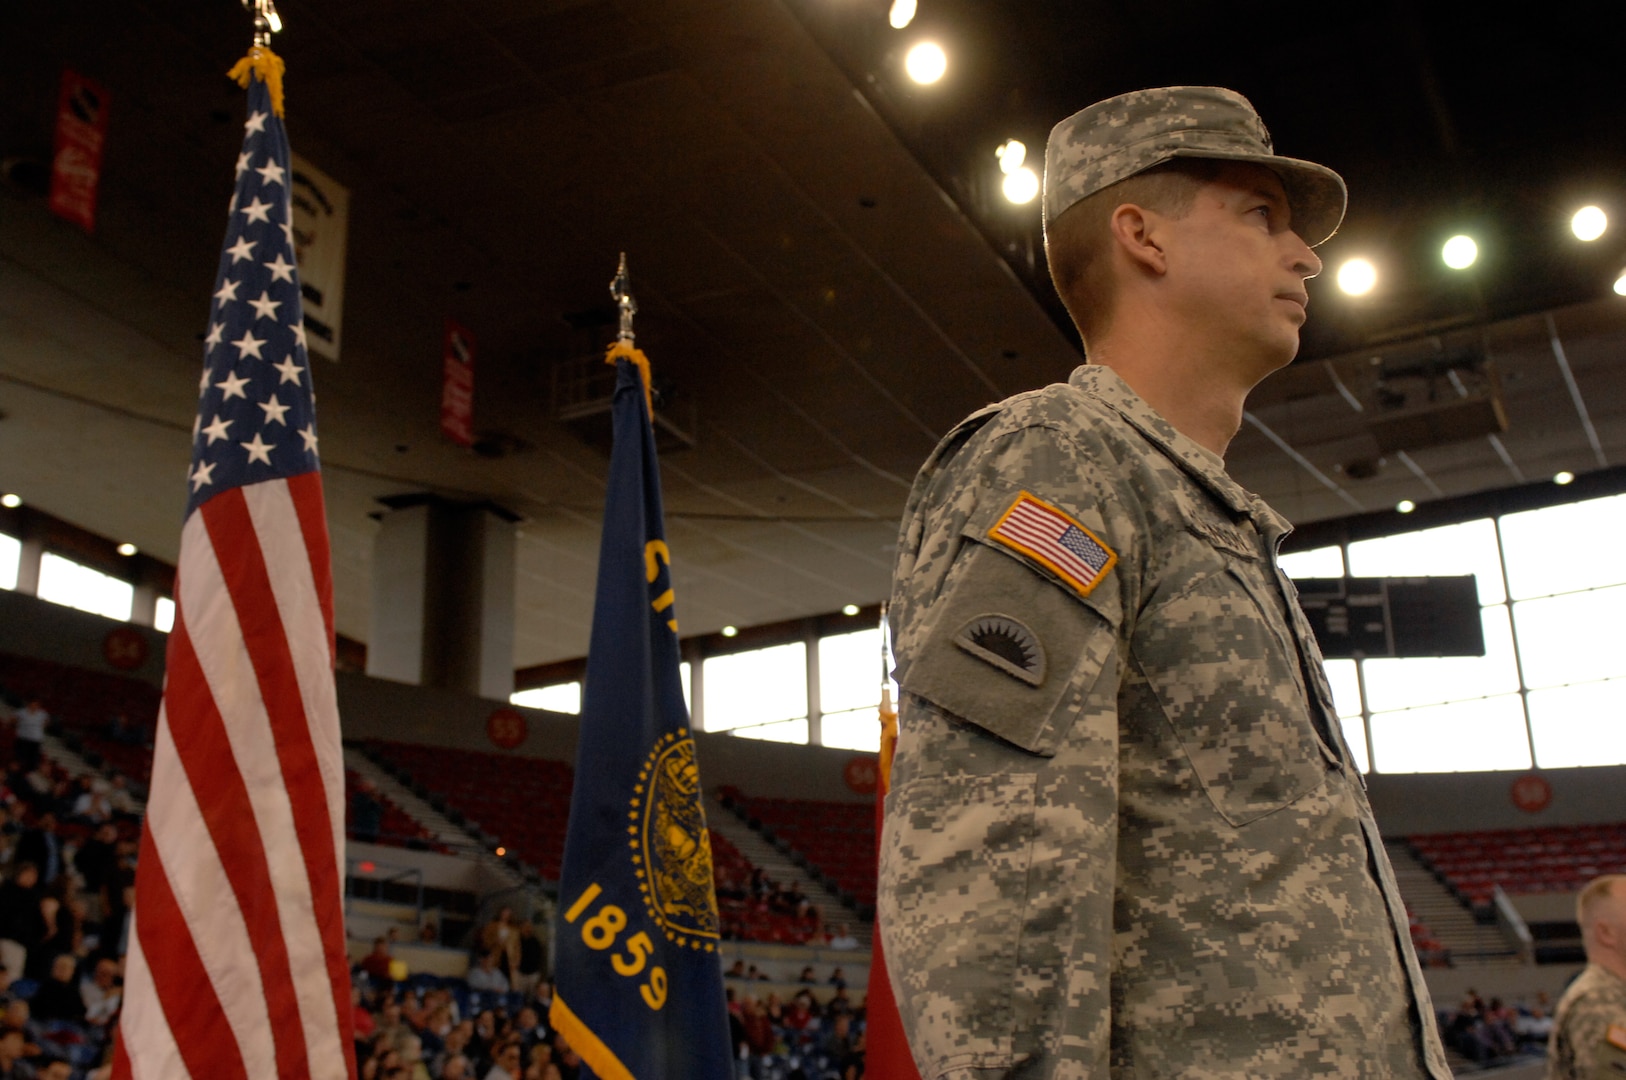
x,y
457,385
76,159
321,224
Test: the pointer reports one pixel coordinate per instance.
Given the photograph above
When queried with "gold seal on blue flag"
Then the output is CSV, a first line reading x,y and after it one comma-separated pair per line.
x,y
672,847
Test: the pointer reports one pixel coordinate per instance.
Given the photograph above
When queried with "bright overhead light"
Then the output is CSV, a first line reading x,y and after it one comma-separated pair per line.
x,y
10,501
1357,277
1620,284
1589,223
730,631
1021,186
1405,506
1562,478
501,852
902,13
1011,154
1460,252
850,609
127,549
926,62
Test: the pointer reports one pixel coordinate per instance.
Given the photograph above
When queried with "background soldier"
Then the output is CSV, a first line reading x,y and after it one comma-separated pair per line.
x,y
1124,830
1589,1029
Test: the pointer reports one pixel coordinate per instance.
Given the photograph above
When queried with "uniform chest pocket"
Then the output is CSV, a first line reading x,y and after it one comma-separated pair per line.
x,y
1222,669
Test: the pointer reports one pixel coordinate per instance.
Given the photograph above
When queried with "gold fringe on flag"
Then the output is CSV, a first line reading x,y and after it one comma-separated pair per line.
x,y
621,349
268,66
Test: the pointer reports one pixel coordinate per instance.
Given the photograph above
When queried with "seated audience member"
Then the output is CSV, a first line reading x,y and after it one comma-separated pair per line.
x,y
13,1059
377,963
807,975
530,958
102,992
457,1067
506,1062
486,977
841,938
366,812
22,919
736,970
54,1068
58,996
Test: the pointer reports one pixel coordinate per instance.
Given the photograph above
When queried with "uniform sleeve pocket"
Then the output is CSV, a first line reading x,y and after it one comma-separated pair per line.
x,y
955,859
1009,651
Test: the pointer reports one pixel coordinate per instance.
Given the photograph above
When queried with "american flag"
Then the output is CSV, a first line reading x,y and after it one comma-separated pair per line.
x,y
237,964
1044,532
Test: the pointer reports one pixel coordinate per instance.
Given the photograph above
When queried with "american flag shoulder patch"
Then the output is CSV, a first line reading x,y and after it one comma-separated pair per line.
x,y
1050,537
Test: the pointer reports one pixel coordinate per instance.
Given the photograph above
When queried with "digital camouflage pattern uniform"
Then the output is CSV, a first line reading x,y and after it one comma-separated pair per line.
x,y
1124,835
1589,1028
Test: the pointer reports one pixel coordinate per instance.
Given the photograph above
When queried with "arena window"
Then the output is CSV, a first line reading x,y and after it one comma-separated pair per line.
x,y
11,550
63,581
163,614
756,689
1552,676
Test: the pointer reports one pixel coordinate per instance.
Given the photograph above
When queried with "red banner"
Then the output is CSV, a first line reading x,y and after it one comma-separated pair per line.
x,y
457,385
76,160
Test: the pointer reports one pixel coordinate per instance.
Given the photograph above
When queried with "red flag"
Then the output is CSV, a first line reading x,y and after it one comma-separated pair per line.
x,y
886,1048
237,964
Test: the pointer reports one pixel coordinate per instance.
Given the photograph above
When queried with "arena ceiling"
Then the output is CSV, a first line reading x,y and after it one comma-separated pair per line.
x,y
827,279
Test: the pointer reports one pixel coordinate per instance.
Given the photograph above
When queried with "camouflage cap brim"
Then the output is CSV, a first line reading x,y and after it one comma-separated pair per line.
x,y
1118,138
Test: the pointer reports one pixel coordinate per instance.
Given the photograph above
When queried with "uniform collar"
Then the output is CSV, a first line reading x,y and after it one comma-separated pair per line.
x,y
1202,464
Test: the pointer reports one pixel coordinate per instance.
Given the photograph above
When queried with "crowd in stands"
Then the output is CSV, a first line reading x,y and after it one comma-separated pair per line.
x,y
67,880
1495,1033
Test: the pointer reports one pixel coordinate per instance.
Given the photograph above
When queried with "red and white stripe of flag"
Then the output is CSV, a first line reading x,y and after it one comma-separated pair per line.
x,y
237,964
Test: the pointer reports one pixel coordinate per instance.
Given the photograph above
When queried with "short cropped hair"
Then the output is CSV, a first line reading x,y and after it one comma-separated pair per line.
x,y
1597,892
1079,241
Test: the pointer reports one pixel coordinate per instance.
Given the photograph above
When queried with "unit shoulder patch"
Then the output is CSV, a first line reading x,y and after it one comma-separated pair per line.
x,y
1005,643
1055,540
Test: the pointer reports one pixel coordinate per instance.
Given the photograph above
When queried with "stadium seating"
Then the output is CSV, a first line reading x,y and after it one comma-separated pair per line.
x,y
837,840
1556,858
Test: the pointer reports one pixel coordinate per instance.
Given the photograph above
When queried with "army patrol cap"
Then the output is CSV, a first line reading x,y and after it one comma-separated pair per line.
x,y
1113,140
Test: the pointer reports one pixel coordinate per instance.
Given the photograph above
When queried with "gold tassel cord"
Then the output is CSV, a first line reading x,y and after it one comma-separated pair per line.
x,y
268,66
625,350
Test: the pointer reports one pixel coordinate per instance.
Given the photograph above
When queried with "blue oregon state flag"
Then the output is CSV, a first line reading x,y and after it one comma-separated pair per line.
x,y
639,983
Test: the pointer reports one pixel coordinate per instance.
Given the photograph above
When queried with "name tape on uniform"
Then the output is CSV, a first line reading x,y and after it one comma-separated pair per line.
x,y
1049,536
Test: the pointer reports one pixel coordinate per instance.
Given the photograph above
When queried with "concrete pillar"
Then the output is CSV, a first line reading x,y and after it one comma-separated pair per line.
x,y
443,596
28,562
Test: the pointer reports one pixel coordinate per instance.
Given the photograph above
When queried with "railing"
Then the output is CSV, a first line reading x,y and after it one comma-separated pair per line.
x,y
1513,925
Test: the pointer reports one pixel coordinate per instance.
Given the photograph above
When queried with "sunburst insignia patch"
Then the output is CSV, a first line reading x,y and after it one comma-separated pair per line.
x,y
1006,644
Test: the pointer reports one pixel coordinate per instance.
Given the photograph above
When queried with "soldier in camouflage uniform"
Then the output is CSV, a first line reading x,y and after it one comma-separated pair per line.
x,y
1589,1029
1125,837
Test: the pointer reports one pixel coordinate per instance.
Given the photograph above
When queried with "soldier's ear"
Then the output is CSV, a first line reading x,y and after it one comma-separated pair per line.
x,y
1135,232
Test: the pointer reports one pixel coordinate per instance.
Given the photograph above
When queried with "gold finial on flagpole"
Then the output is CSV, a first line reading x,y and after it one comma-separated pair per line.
x,y
261,60
622,347
266,20
621,289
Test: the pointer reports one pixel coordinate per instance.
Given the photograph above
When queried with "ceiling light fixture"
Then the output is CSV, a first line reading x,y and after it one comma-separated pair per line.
x,y
1011,154
1620,284
1460,252
1589,223
1021,186
1357,277
850,609
127,549
902,13
926,62
730,631
1405,506
10,501
1562,478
